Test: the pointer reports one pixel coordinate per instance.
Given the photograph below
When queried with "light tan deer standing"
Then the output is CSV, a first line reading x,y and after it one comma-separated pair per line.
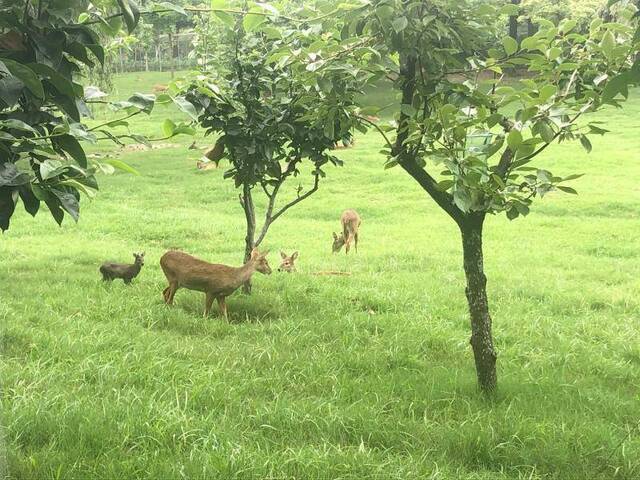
x,y
215,280
350,221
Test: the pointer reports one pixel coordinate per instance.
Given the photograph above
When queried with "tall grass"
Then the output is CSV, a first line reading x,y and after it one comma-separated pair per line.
x,y
318,377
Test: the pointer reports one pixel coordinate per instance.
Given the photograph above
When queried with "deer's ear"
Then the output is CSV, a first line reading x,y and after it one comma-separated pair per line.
x,y
335,237
254,253
294,255
283,255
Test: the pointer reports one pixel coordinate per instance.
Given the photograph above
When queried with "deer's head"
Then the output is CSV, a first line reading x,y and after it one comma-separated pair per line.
x,y
260,261
139,258
287,264
338,242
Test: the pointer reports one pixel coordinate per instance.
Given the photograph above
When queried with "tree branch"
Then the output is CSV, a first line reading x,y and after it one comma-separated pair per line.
x,y
269,218
406,160
375,125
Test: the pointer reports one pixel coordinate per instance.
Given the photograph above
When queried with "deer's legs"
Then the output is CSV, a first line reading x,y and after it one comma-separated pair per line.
x,y
170,292
223,307
208,301
355,238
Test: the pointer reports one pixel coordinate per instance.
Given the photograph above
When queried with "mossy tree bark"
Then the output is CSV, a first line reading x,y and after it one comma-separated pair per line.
x,y
476,291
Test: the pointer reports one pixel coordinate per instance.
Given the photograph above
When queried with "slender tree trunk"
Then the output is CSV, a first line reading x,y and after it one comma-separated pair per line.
x,y
249,240
481,335
531,28
171,59
513,22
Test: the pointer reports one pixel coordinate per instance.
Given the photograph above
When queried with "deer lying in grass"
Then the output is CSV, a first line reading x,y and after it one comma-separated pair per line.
x,y
350,221
215,280
126,272
287,264
160,88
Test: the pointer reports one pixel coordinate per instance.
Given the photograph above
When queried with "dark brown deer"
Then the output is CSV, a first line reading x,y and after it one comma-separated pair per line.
x,y
126,272
287,264
215,280
350,221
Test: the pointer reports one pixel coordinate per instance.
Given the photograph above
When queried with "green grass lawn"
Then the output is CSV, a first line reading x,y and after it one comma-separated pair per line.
x,y
322,377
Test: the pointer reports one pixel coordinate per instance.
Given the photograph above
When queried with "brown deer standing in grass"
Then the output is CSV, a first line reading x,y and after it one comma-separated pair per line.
x,y
350,221
287,264
125,271
215,280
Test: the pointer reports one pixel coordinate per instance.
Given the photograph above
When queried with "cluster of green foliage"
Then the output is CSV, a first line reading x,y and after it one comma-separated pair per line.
x,y
278,104
484,132
43,48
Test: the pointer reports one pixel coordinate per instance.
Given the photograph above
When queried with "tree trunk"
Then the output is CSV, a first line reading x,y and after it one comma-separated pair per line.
x,y
531,28
481,336
513,22
171,57
249,240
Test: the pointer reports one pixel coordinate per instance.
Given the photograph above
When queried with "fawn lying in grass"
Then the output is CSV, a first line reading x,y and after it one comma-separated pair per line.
x,y
350,221
287,264
126,272
215,280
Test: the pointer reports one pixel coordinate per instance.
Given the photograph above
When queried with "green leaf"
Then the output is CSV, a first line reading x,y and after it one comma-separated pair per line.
x,y
545,130
225,18
13,124
510,45
130,13
7,207
89,192
567,25
514,139
572,177
120,165
618,85
10,176
462,199
547,92
30,201
554,53
186,106
408,110
608,43
168,128
512,213
251,21
586,144
510,9
399,24
143,101
69,202
64,86
69,144
567,189
26,76
445,185
184,129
